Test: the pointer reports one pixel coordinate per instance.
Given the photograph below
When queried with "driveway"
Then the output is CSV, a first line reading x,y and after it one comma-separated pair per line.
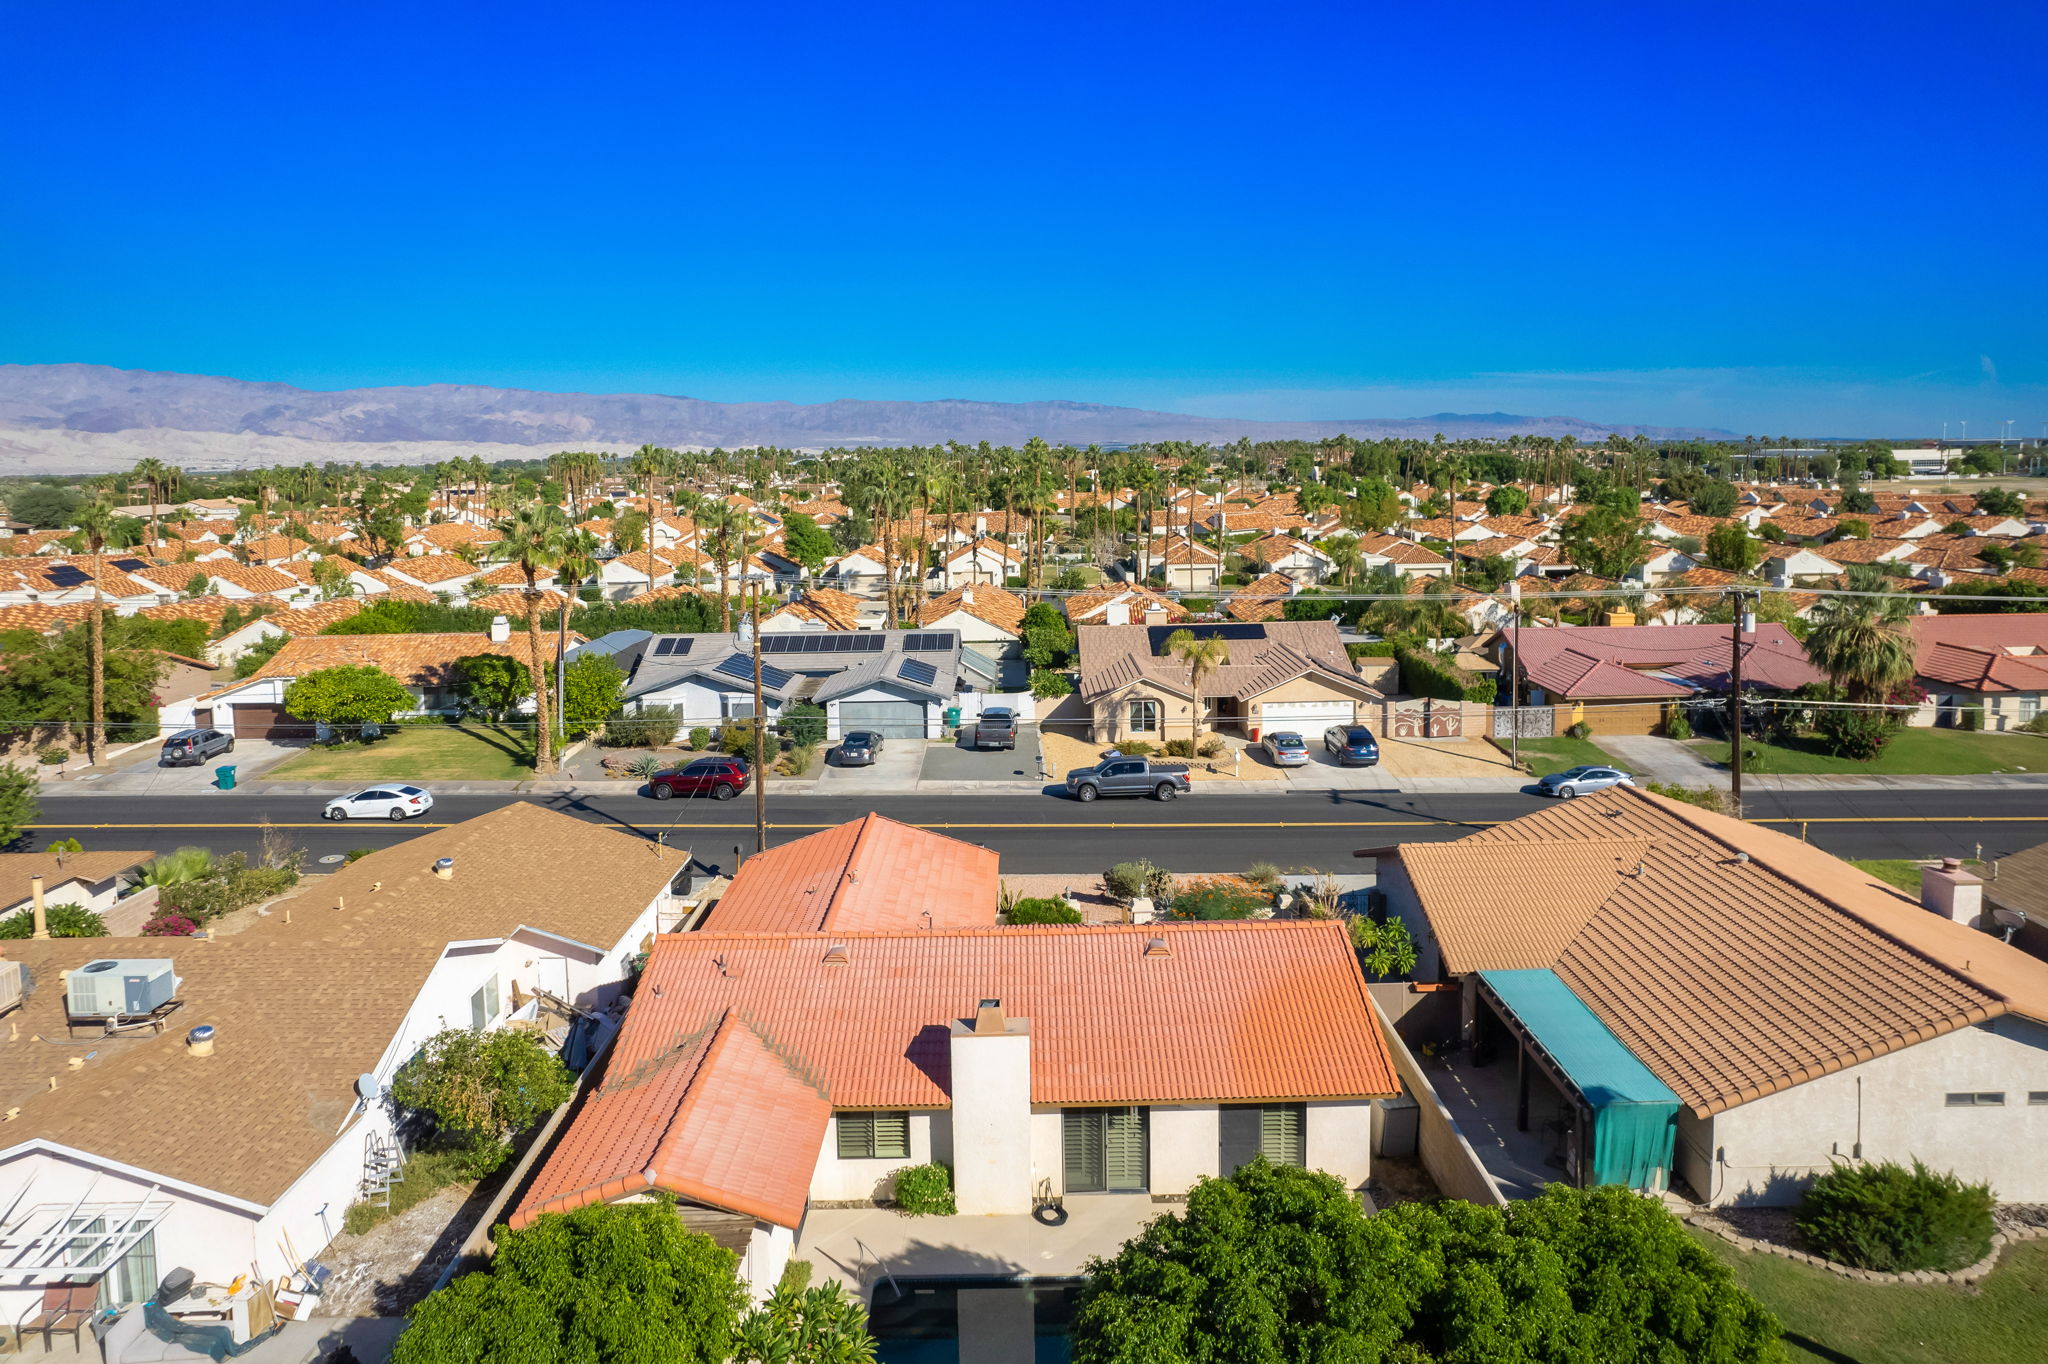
x,y
140,775
958,762
894,771
1649,758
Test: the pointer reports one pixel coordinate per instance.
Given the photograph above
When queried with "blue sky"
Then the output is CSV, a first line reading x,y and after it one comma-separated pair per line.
x,y
1786,219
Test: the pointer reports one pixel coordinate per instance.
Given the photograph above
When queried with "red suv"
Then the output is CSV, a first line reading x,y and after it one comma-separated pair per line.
x,y
718,778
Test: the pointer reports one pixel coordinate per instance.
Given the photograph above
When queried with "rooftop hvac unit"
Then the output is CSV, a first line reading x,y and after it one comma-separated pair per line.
x,y
14,984
125,987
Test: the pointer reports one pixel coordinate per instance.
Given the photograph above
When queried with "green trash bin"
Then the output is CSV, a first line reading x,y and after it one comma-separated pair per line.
x,y
952,717
224,778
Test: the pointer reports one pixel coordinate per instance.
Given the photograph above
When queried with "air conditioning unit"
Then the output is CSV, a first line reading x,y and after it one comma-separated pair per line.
x,y
120,987
14,985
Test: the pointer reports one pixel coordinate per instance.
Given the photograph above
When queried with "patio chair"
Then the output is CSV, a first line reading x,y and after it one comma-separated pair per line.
x,y
65,1308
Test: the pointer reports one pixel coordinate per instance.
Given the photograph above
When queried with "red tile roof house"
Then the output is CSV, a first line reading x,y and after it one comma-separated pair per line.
x,y
1621,679
164,1154
1794,1011
1997,662
822,1033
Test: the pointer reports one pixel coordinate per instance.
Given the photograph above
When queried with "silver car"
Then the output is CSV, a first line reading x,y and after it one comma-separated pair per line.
x,y
1576,781
1286,748
394,802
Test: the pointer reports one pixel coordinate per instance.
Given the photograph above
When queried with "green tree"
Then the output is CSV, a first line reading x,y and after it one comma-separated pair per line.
x,y
535,541
48,680
1731,548
45,506
491,685
1714,498
1606,541
1376,506
1385,947
590,692
18,807
1048,684
1203,657
1048,639
2001,502
347,697
804,542
479,1086
804,724
1507,500
606,1282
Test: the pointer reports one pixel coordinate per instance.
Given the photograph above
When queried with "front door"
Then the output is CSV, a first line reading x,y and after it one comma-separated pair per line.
x,y
1105,1149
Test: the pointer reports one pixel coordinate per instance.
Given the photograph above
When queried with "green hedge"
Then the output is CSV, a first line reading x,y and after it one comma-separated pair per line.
x,y
1886,1217
1427,675
1372,648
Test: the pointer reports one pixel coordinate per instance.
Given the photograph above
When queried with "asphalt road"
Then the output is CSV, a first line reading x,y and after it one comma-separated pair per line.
x,y
1036,834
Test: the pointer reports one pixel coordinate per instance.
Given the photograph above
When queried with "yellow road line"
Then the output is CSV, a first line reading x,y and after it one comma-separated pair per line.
x,y
1444,822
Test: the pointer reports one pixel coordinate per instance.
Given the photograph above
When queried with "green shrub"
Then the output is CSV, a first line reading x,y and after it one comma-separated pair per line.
x,y
1136,748
1427,675
1044,910
1678,726
1384,945
1180,748
1859,735
480,1086
357,854
737,738
1970,718
1129,880
231,885
925,1191
803,724
66,921
1200,606
2037,725
53,757
1212,746
1706,797
648,727
1581,730
1265,876
1049,685
1889,1218
1217,902
700,738
643,767
1371,648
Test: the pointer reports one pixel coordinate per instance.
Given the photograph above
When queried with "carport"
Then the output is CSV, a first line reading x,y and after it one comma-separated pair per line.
x,y
1623,1121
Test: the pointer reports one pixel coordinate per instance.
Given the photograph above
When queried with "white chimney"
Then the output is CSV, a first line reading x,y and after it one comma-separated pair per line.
x,y
501,629
1117,613
991,1075
1952,893
1155,615
967,595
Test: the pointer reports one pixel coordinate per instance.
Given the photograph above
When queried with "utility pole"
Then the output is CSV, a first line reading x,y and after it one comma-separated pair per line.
x,y
1741,598
1515,677
760,728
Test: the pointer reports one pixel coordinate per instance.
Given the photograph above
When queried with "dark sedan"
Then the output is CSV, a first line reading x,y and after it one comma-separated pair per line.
x,y
1352,745
860,748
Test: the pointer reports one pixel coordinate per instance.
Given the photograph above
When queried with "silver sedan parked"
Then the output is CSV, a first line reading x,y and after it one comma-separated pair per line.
x,y
1577,781
1286,748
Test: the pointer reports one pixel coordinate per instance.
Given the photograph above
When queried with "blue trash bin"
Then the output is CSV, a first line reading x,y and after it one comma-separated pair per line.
x,y
224,777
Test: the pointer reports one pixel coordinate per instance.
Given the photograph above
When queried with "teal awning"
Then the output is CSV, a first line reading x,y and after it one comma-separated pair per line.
x,y
1635,1114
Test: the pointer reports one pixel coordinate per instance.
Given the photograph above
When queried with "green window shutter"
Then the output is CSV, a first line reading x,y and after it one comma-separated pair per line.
x,y
856,1135
1280,1134
892,1135
1081,1136
1124,1149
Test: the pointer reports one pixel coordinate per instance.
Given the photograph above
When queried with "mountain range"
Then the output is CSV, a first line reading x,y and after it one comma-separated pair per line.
x,y
79,417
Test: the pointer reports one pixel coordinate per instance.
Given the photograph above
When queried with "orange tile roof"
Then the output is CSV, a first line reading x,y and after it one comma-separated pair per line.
x,y
1739,961
424,660
428,569
514,603
1265,599
872,874
825,606
983,601
43,618
1089,608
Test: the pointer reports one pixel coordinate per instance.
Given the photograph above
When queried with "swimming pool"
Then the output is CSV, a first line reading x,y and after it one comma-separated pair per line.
x,y
966,1321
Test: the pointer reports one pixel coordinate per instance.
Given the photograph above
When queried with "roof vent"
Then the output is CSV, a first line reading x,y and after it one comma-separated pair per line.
x,y
988,1018
835,954
445,868
1156,947
199,1042
1741,857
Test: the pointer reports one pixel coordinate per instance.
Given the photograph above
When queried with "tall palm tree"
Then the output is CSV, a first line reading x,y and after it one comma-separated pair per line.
x,y
718,525
1203,657
96,524
575,565
533,541
154,473
1862,644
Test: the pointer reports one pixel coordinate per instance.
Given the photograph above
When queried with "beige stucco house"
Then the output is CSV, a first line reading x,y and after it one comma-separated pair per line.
x,y
1279,675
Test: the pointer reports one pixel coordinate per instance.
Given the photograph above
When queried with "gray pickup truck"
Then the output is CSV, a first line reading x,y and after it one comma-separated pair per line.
x,y
1127,777
997,728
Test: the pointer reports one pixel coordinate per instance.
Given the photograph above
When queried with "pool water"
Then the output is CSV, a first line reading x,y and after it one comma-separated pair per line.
x,y
940,1321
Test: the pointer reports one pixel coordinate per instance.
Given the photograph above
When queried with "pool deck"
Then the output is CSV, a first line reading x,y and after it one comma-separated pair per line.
x,y
859,1247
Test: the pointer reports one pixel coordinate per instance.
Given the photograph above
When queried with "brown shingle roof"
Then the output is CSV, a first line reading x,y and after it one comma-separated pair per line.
x,y
16,869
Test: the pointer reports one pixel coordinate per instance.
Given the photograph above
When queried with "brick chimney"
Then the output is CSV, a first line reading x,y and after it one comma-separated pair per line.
x,y
991,1080
1952,893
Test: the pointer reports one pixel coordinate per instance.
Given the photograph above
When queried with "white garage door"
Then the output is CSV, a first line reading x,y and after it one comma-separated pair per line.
x,y
890,719
1308,718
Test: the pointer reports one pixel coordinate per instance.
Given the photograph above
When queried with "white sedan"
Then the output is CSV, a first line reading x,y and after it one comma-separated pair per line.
x,y
382,802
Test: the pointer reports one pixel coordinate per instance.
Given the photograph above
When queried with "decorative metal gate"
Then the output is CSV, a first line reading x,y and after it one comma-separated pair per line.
x,y
1528,722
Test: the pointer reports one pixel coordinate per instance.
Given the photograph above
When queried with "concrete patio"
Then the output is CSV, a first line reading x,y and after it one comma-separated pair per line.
x,y
1481,1100
861,1247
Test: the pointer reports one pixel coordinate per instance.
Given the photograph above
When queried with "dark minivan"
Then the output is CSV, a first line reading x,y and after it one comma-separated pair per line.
x,y
191,747
720,778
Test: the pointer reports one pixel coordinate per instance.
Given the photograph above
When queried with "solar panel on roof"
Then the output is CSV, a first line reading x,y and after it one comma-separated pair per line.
x,y
867,643
936,643
676,645
783,644
917,670
742,667
65,575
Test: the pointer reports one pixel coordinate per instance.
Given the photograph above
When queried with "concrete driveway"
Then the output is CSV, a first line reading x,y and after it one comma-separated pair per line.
x,y
139,773
894,771
958,762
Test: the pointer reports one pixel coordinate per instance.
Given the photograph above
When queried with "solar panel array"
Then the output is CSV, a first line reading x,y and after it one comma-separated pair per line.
x,y
673,645
917,670
834,642
741,666
66,575
942,642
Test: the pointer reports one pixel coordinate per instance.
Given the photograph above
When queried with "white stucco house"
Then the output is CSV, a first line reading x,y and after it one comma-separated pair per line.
x,y
238,1136
90,880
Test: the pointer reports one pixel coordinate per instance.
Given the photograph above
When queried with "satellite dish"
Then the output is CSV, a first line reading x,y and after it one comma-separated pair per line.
x,y
367,1087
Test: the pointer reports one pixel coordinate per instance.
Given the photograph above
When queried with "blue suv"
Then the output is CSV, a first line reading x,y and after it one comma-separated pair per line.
x,y
1353,745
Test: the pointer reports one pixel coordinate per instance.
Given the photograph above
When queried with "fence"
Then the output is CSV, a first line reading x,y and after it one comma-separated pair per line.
x,y
1432,719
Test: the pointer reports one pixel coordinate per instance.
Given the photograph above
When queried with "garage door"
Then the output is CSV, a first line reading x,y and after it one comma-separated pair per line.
x,y
890,719
268,722
1306,717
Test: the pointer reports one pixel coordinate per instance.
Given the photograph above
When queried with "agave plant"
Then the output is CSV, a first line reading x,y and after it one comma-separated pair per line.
x,y
179,867
644,766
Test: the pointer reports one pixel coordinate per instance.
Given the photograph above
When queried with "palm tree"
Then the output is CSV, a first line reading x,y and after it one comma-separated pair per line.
x,y
1203,657
96,524
1862,644
533,541
575,565
153,472
719,524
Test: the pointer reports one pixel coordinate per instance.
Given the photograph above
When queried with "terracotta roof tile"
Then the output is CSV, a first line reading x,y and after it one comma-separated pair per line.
x,y
984,601
871,875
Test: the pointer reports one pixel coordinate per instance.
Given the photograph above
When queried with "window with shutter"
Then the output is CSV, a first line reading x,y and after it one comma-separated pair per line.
x,y
892,1136
1081,1135
872,1136
1124,1149
856,1135
1280,1134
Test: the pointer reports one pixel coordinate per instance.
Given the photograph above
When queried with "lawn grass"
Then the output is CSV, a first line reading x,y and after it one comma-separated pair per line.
x,y
1555,755
1920,752
419,753
426,1174
1902,872
1832,1319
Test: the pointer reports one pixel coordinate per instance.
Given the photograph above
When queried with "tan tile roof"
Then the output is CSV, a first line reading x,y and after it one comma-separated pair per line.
x,y
416,660
984,601
275,547
452,534
16,869
313,617
1087,608
514,603
669,593
249,577
869,875
1113,657
828,607
432,568
206,609
1264,599
43,618
1739,961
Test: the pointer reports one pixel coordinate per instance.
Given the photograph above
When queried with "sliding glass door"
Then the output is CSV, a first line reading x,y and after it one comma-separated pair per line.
x,y
1105,1149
